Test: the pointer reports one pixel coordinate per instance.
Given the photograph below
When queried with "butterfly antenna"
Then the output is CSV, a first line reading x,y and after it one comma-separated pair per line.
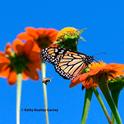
x,y
95,60
104,53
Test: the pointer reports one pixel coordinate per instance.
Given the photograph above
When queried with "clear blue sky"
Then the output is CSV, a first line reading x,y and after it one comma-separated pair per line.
x,y
105,27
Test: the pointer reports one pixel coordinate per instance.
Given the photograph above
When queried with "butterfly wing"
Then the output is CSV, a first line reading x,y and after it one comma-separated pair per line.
x,y
71,64
67,63
52,54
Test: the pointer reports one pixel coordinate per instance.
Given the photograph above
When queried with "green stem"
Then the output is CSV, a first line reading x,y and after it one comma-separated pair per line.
x,y
88,96
102,105
43,70
105,90
18,97
115,96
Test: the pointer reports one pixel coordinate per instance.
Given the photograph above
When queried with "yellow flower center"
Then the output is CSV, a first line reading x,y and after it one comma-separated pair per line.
x,y
68,32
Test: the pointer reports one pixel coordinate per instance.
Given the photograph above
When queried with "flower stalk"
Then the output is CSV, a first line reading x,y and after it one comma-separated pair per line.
x,y
87,101
43,70
105,90
115,96
102,105
18,97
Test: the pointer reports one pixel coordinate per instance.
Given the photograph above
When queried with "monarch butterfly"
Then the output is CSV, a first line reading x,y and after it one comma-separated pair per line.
x,y
67,63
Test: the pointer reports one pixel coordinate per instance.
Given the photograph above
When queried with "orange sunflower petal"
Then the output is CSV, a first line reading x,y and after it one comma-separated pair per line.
x,y
33,75
2,54
3,59
76,81
31,72
8,49
18,46
117,66
34,57
28,47
52,31
4,70
73,84
12,78
89,84
24,36
41,31
24,76
32,32
36,48
52,34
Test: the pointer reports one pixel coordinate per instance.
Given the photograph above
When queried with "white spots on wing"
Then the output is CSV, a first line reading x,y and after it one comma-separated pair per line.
x,y
56,50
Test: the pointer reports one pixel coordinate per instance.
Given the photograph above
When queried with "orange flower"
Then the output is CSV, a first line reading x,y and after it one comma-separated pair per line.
x,y
98,71
43,37
19,58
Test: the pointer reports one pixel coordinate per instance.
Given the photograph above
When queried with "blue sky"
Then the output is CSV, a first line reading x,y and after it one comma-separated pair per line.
x,y
104,22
